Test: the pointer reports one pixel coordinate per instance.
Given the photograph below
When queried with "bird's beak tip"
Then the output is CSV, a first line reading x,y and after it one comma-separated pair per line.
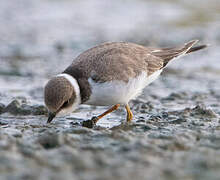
x,y
51,116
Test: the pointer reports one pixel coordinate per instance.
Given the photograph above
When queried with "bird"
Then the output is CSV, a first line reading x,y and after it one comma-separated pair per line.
x,y
109,74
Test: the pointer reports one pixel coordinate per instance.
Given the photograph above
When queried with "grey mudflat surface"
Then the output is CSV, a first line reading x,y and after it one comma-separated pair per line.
x,y
176,129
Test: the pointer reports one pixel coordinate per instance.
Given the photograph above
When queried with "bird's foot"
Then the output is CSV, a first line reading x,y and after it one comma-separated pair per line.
x,y
90,123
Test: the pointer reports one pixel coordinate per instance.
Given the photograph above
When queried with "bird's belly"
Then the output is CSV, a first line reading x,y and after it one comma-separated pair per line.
x,y
119,92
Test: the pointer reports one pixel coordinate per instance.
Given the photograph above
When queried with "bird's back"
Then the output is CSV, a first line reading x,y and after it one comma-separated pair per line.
x,y
122,61
116,61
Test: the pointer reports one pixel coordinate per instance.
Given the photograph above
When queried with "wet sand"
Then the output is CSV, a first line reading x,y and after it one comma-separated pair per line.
x,y
176,129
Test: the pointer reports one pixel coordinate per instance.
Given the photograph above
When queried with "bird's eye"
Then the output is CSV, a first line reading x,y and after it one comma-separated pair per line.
x,y
65,104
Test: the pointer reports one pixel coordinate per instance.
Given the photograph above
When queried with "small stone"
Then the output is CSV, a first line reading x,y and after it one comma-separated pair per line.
x,y
16,108
88,123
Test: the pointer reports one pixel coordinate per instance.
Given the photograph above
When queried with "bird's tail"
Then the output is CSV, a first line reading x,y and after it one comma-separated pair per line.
x,y
168,54
196,48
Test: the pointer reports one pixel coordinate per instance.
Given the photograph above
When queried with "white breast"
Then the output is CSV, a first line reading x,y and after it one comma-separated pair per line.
x,y
119,92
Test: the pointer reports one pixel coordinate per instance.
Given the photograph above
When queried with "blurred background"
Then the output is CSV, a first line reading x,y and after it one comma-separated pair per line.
x,y
39,39
176,134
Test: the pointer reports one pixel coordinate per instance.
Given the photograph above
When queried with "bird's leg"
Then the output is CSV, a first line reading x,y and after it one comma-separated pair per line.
x,y
94,120
129,113
113,108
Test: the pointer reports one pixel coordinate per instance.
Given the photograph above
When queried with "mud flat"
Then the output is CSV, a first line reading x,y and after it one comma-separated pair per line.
x,y
176,130
160,144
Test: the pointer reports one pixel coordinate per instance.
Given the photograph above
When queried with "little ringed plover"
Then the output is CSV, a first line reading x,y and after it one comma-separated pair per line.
x,y
110,74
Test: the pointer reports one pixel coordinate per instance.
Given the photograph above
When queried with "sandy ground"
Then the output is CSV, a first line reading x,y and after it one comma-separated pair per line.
x,y
176,130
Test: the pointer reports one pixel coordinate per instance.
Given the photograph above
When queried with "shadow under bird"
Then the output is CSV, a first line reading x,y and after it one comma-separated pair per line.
x,y
110,74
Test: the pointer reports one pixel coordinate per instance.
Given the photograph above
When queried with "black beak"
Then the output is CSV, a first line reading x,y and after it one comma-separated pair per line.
x,y
51,116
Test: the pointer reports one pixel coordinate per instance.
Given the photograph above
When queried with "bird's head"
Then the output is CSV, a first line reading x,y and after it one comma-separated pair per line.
x,y
61,95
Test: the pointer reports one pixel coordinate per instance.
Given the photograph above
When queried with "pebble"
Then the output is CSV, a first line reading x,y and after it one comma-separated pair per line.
x,y
17,107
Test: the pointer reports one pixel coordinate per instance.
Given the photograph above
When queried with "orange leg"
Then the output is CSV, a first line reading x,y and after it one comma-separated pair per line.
x,y
113,108
129,113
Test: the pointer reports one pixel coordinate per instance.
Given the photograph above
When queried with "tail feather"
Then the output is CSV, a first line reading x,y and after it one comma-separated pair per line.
x,y
193,49
168,54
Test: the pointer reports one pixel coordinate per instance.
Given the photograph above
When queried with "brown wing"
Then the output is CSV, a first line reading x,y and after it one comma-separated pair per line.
x,y
121,61
153,63
115,61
